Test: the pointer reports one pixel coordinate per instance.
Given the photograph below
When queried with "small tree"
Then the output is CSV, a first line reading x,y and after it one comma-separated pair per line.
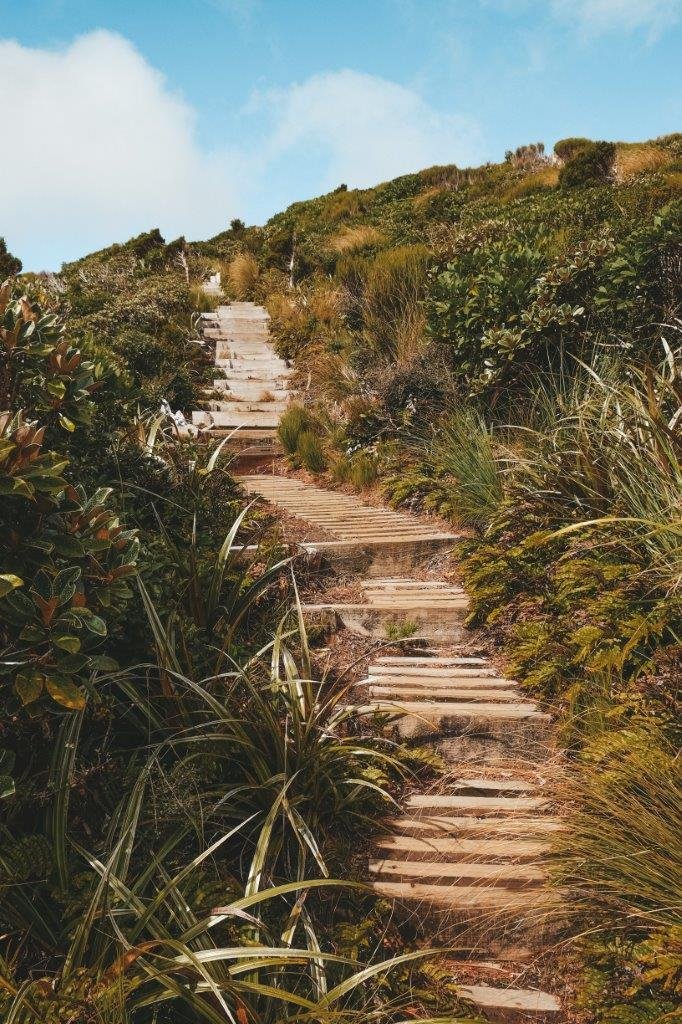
x,y
10,265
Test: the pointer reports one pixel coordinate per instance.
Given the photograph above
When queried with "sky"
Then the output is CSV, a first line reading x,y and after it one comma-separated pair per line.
x,y
182,114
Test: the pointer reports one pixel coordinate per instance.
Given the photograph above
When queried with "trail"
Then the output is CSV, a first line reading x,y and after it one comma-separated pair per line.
x,y
468,858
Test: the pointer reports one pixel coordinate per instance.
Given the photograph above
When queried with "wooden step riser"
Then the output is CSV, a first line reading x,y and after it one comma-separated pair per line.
x,y
374,558
379,624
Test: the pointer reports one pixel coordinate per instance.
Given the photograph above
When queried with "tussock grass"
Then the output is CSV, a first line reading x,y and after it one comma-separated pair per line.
x,y
311,453
635,159
355,239
295,421
537,181
242,276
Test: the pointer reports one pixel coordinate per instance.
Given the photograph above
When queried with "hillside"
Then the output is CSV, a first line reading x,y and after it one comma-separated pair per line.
x,y
496,351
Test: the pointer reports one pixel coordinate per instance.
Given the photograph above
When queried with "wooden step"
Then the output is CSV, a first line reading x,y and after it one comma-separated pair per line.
x,y
466,682
414,672
443,825
506,1004
507,875
437,712
423,802
457,848
481,899
417,661
449,692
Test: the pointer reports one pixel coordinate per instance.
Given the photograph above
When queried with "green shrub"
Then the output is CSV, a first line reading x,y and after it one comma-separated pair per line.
x,y
591,165
461,457
566,149
310,452
64,557
363,470
293,423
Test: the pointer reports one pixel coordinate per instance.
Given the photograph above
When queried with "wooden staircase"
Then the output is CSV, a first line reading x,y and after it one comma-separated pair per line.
x,y
468,861
253,392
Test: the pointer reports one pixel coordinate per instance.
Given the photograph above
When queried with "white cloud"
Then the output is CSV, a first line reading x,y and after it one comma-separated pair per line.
x,y
367,128
599,16
98,147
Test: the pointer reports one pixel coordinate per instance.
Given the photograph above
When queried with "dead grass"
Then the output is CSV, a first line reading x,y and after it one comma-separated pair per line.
x,y
547,177
324,302
634,159
266,396
355,239
242,275
423,200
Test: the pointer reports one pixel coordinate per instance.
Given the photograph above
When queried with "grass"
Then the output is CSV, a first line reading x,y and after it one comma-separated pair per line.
x,y
637,158
311,453
463,469
201,900
242,276
355,239
401,630
620,863
295,421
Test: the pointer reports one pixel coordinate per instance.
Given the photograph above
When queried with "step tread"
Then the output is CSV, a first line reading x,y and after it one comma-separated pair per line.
x,y
530,1000
470,897
443,709
510,849
494,873
484,804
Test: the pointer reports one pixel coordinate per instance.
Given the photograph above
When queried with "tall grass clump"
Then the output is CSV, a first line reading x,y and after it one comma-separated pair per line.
x,y
620,864
295,421
463,449
386,294
311,453
608,454
242,276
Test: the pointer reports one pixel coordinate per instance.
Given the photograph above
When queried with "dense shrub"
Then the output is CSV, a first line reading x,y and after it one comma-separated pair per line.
x,y
65,557
566,149
589,165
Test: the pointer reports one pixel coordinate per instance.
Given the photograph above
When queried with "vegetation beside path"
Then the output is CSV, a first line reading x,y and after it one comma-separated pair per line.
x,y
503,347
500,345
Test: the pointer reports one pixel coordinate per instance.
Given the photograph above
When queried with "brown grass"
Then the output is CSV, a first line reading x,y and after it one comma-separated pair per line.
x,y
324,302
423,200
242,275
355,239
266,396
635,159
547,177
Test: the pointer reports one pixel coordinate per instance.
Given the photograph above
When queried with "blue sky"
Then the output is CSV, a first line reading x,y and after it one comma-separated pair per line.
x,y
129,115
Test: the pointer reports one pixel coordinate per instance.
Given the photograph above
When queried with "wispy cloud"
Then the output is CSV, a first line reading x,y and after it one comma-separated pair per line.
x,y
597,17
600,16
367,128
108,150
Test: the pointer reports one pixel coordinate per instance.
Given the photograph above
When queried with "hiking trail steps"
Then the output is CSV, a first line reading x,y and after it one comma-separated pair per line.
x,y
253,392
469,858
